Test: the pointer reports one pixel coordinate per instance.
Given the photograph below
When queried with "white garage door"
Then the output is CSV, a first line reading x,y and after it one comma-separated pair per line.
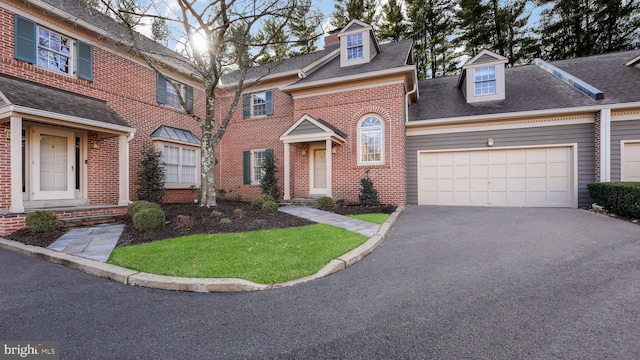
x,y
503,177
631,162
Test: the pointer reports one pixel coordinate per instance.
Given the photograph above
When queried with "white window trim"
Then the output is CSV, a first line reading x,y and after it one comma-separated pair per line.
x,y
182,88
366,49
252,173
71,68
159,146
354,47
251,104
495,80
382,141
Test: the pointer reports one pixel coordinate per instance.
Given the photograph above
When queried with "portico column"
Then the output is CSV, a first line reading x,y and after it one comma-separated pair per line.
x,y
123,166
16,165
328,159
287,174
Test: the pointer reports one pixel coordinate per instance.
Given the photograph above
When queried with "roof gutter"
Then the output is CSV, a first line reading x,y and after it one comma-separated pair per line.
x,y
406,102
523,114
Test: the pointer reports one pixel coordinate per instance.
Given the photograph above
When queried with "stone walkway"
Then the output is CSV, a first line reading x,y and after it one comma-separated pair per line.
x,y
325,217
95,243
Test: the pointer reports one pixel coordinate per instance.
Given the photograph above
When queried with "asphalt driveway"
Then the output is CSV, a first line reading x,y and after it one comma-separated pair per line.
x,y
447,283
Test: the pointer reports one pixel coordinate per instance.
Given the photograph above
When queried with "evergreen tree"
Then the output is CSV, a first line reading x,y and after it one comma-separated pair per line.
x,y
573,28
432,25
277,44
151,176
394,26
304,26
368,194
269,181
474,26
347,10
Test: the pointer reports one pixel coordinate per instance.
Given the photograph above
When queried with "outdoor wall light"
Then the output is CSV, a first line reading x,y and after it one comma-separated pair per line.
x,y
489,142
95,145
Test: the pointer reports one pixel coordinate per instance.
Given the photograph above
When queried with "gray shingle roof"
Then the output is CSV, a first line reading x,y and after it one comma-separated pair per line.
x,y
391,55
277,67
41,97
530,88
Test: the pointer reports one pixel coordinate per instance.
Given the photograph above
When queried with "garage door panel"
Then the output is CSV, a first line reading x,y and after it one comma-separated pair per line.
x,y
631,162
498,177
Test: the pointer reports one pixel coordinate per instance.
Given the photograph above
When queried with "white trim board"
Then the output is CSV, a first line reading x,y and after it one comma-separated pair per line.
x,y
516,124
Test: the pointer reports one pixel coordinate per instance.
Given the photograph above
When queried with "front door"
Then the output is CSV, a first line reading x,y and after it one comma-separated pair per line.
x,y
318,171
53,164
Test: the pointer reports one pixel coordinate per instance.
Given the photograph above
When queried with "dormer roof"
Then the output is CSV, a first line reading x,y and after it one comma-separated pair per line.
x,y
482,78
485,57
357,26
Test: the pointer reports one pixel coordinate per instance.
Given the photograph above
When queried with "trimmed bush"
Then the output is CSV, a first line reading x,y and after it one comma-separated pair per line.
x,y
326,203
41,221
151,175
139,205
257,203
225,221
622,198
269,181
149,218
268,198
270,207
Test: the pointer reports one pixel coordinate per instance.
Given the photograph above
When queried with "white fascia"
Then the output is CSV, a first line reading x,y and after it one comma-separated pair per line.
x,y
398,70
97,125
521,114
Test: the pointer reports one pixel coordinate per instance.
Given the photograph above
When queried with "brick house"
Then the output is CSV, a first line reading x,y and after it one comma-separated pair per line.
x,y
72,120
328,117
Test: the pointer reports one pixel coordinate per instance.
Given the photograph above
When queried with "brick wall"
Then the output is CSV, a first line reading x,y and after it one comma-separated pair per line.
x,y
125,83
341,109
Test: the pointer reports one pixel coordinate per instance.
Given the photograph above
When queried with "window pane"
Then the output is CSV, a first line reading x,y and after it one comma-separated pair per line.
x,y
171,173
188,157
258,161
259,106
172,97
355,47
54,51
189,174
171,155
371,145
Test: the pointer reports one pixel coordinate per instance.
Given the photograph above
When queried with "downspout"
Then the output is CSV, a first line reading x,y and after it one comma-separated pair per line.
x,y
406,102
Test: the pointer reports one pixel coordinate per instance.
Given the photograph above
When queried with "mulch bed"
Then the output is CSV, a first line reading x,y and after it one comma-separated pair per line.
x,y
203,222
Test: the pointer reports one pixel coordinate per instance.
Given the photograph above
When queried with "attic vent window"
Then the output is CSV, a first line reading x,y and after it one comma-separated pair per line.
x,y
485,81
355,47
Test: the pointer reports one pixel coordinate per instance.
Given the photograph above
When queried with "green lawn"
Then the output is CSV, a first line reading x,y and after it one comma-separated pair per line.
x,y
265,257
375,218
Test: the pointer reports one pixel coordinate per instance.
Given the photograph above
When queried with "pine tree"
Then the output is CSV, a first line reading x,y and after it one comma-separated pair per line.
x,y
394,26
347,10
278,44
474,26
304,27
432,25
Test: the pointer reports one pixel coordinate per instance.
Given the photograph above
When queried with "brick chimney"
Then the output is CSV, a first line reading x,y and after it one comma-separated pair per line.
x,y
332,39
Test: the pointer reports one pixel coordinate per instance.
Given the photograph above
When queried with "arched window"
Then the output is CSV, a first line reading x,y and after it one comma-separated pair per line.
x,y
371,141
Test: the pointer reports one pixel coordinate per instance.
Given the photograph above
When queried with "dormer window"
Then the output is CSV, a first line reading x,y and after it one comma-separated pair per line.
x,y
358,44
355,49
483,78
485,81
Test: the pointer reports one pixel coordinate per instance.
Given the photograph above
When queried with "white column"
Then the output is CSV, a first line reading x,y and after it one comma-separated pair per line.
x,y
605,145
287,174
328,159
16,165
123,168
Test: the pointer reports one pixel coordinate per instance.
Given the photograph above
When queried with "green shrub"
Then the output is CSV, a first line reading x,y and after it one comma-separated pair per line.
x,y
326,203
139,205
269,181
270,207
239,213
149,218
622,198
151,176
257,203
368,194
41,221
225,221
217,213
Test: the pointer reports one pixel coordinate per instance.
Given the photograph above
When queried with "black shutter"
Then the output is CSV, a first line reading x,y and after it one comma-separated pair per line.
x,y
269,102
246,167
25,40
161,89
246,105
189,97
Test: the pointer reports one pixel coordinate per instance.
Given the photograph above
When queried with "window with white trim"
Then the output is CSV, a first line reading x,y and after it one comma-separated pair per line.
x,y
485,81
355,48
257,163
167,94
180,165
54,51
371,141
257,104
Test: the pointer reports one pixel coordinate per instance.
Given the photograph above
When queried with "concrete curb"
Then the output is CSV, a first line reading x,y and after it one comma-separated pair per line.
x,y
132,277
